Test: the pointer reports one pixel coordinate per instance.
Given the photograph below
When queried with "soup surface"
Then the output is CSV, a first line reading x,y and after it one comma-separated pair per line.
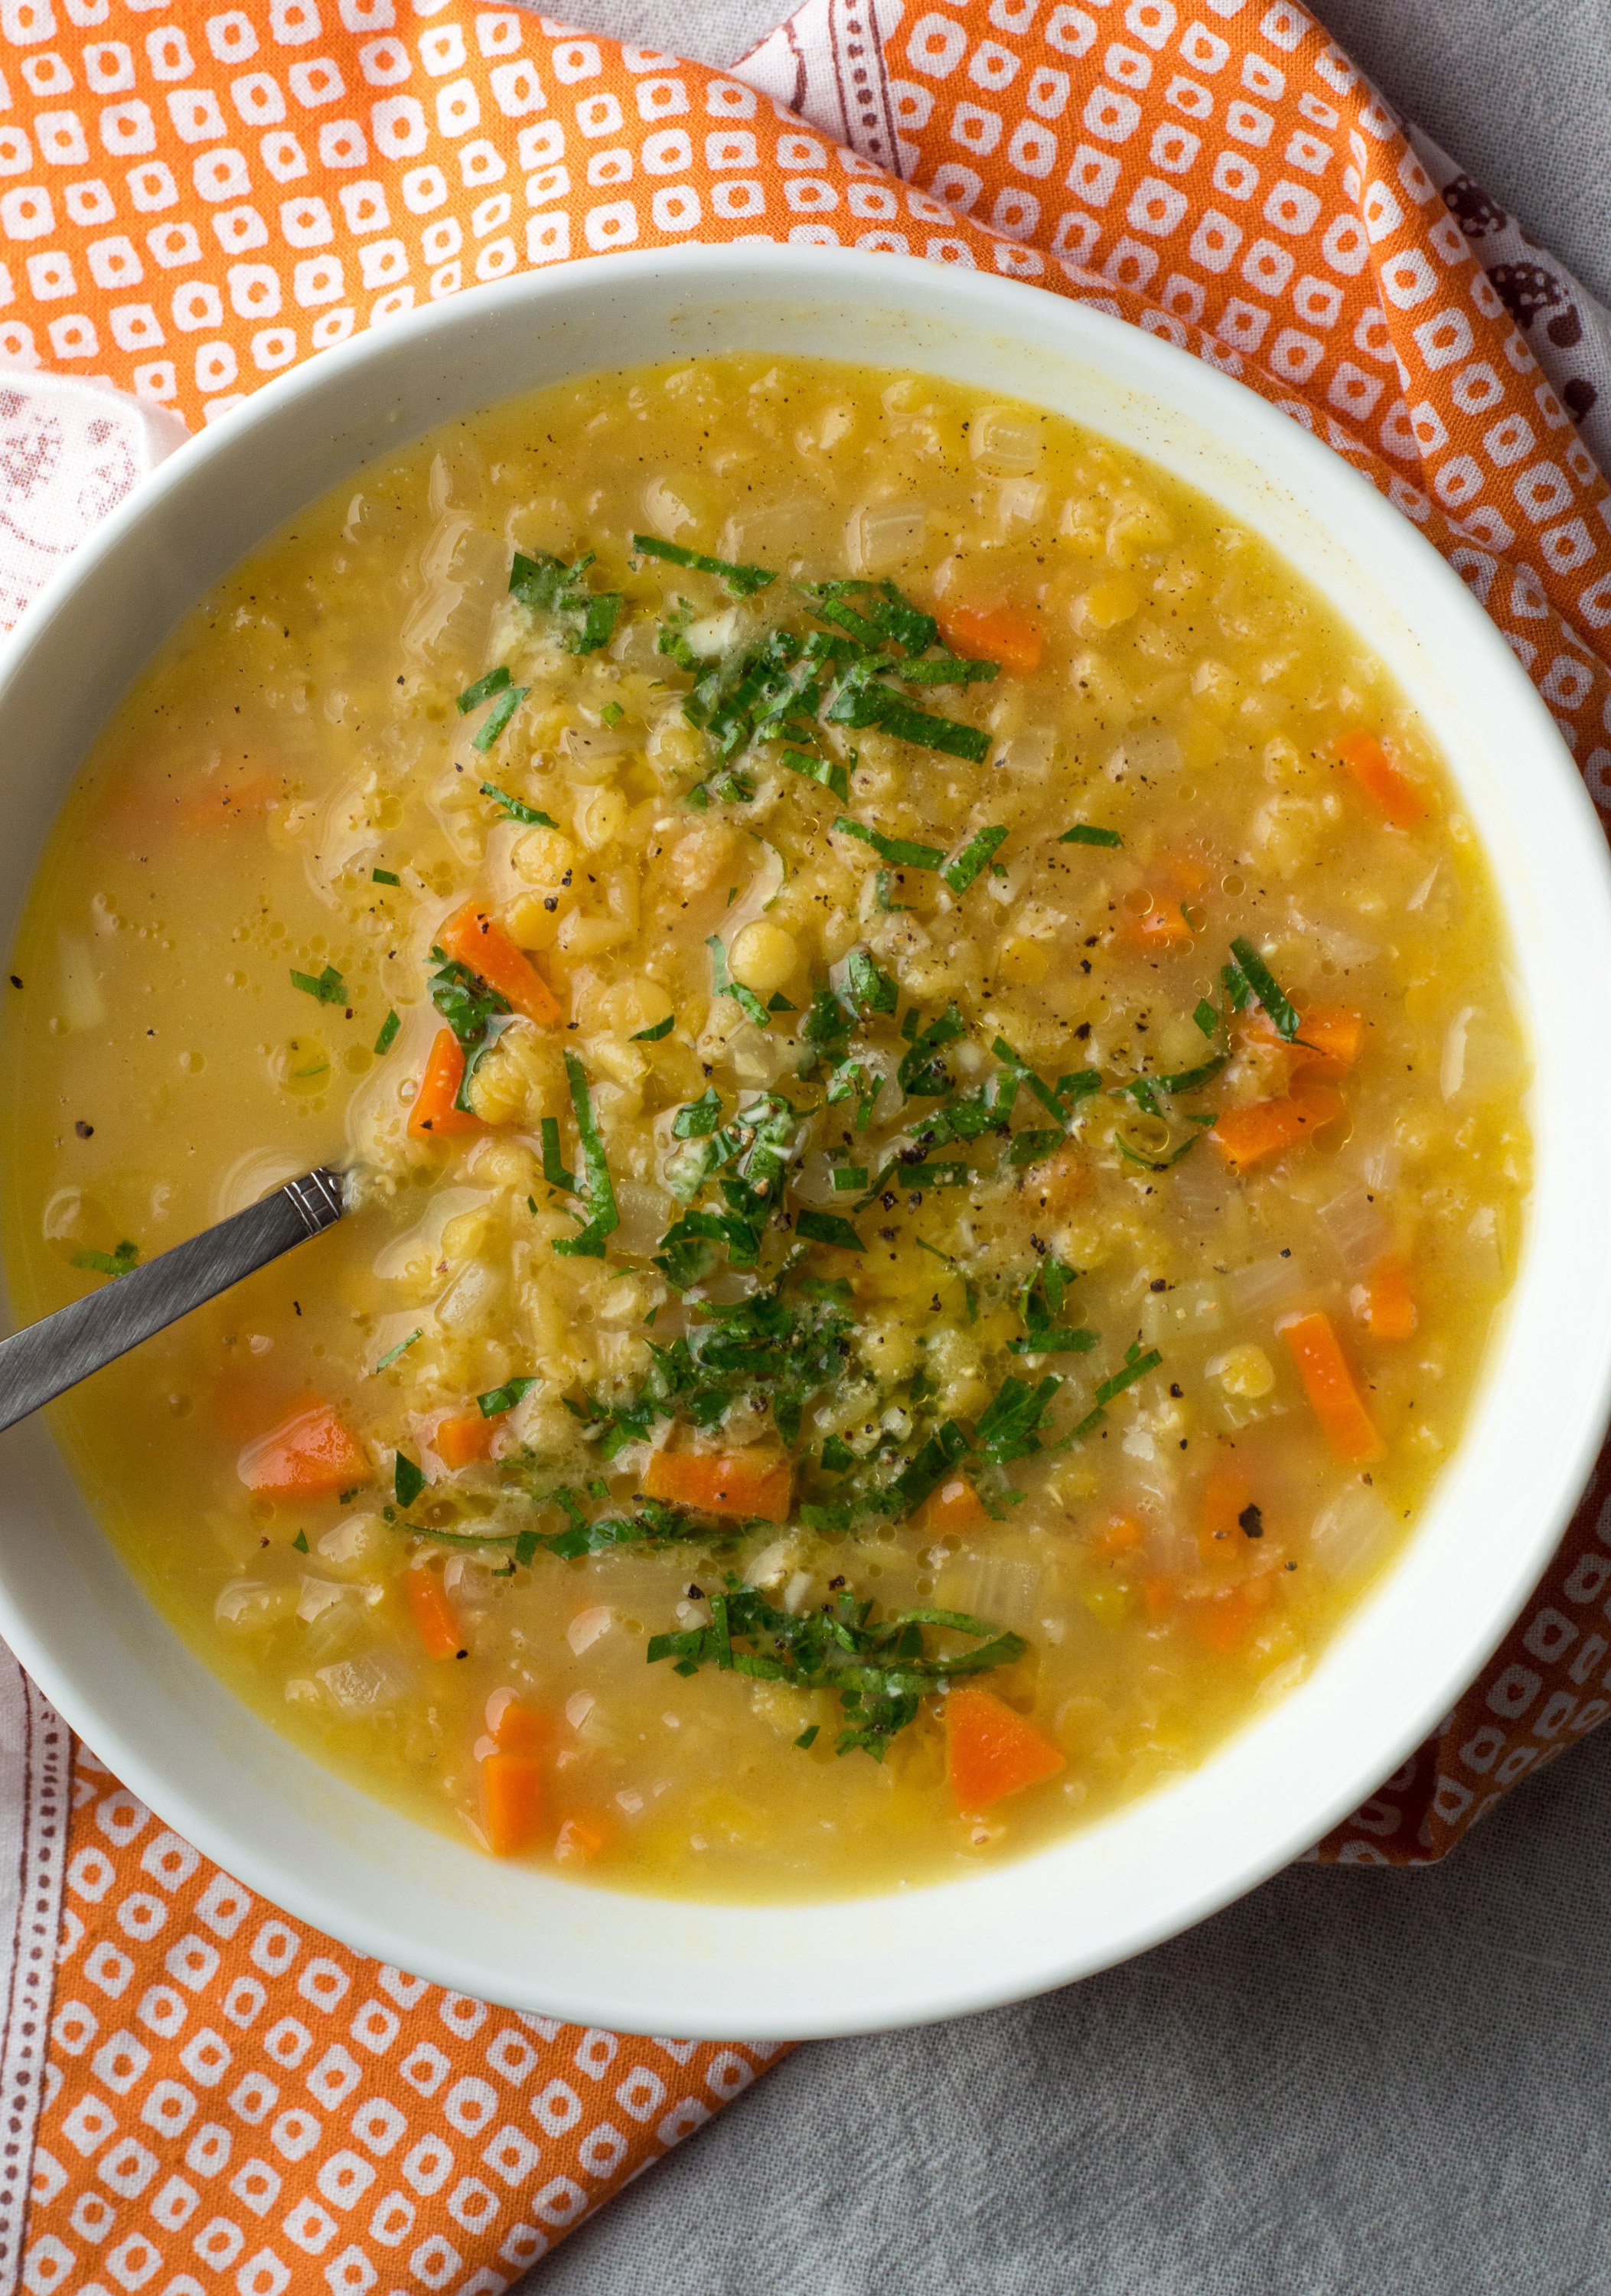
x,y
935,1118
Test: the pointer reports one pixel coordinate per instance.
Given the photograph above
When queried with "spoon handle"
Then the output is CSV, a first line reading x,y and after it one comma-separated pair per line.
x,y
56,1353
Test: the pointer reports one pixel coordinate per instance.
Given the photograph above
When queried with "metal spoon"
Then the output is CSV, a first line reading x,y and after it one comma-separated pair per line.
x,y
55,1354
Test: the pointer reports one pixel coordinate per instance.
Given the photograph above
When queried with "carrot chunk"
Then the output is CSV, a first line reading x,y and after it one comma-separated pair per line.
x,y
1328,1383
991,1750
462,1438
1385,1303
311,1454
431,1612
1061,1180
955,1506
473,939
512,1802
1158,929
1269,1128
1227,1622
516,1727
993,634
1393,793
755,1483
433,1112
1329,1038
1226,1496
1123,1535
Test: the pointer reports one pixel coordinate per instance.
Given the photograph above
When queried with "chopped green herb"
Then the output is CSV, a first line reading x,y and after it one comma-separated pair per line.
x,y
880,1671
807,1737
407,1482
900,852
1136,1367
514,808
1236,987
652,1036
500,1400
960,872
828,771
385,877
387,1036
1009,1426
827,1228
1086,832
119,1261
495,681
493,724
850,1179
1034,1145
548,585
881,895
1283,1015
744,581
928,1467
611,713
328,987
401,1348
921,1076
871,990
1206,1017
837,1456
595,1188
722,984
299,1542
1017,1066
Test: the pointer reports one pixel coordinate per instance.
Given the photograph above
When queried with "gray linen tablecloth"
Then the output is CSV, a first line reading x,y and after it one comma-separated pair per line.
x,y
1354,2083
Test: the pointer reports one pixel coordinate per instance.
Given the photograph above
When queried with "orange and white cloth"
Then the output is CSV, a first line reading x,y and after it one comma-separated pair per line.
x,y
194,197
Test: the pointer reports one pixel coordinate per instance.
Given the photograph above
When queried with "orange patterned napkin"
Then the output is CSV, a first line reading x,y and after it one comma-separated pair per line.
x,y
194,200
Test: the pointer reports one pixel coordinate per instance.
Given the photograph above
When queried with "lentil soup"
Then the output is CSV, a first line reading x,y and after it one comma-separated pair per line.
x,y
936,1125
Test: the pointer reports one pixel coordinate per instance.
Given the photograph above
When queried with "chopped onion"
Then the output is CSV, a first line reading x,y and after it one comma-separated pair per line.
x,y
1358,1232
1268,1284
586,1627
994,1587
880,535
1005,442
1183,1312
1349,1531
359,1685
1451,1075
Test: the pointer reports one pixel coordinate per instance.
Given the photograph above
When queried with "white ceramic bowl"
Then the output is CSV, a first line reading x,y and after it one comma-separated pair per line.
x,y
314,1845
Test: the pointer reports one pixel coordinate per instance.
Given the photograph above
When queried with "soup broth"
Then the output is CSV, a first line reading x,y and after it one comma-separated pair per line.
x,y
934,1119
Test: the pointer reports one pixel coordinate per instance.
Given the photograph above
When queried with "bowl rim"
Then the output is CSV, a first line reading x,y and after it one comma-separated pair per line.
x,y
1020,310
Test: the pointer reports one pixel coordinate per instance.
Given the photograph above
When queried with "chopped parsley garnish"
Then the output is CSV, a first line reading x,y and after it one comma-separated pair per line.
x,y
121,1261
1086,832
850,1179
611,713
961,870
827,1228
388,1029
495,681
921,1076
744,581
299,1542
1009,1426
587,617
493,724
500,1400
870,988
722,984
328,986
594,1188
475,1012
828,771
1016,1066
900,852
654,1035
881,1671
1259,979
513,809
1040,1304
401,1348
385,877
807,1737
1135,1366
1206,1016
407,1479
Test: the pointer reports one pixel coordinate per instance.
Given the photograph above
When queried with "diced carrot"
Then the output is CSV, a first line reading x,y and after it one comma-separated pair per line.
x,y
1226,1621
1328,1383
1061,1180
1329,1038
311,1455
993,634
1185,874
475,940
512,1802
431,1612
955,1506
1385,1303
755,1483
516,1727
580,1840
462,1438
1158,929
1269,1128
433,1112
1392,792
991,1749
1123,1535
1159,1596
1225,1495
216,804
